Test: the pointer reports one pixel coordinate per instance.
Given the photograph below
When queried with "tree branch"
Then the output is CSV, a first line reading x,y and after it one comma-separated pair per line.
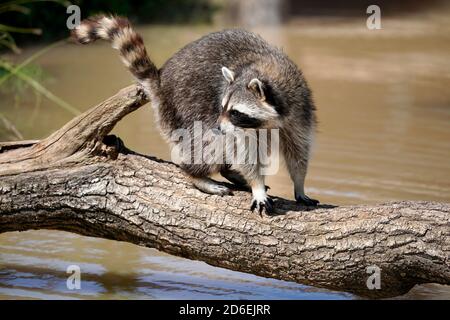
x,y
83,181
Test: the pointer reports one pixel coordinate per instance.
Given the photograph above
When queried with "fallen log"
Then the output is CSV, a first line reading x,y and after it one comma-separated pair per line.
x,y
82,180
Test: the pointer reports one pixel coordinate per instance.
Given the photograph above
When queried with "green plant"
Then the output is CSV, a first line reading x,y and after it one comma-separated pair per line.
x,y
37,86
6,38
8,129
17,78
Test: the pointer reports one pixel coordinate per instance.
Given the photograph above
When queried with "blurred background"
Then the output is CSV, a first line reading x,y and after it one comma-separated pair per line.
x,y
383,107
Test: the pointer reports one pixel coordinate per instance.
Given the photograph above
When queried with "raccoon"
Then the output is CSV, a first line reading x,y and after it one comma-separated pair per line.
x,y
227,80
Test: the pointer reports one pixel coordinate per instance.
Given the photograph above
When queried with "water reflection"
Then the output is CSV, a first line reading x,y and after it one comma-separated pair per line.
x,y
119,270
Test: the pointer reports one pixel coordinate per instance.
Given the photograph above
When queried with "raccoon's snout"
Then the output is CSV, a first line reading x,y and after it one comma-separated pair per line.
x,y
222,128
216,129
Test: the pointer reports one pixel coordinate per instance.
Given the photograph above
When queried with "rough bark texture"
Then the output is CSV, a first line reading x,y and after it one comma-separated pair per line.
x,y
83,181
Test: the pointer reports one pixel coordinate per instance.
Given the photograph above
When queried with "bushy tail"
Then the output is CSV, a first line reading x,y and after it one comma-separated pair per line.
x,y
130,45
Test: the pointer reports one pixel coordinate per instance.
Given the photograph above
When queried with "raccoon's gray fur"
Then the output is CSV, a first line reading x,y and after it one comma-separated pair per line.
x,y
226,79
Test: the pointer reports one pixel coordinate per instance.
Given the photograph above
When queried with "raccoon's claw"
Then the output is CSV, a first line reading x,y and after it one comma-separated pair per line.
x,y
307,201
266,205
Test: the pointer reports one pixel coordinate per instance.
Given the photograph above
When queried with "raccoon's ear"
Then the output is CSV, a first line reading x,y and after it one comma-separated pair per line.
x,y
228,74
257,87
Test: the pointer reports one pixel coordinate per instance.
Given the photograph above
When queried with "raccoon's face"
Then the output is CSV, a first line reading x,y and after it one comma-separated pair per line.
x,y
244,105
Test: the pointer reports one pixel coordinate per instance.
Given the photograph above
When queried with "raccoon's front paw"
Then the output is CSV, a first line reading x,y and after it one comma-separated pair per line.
x,y
263,204
306,201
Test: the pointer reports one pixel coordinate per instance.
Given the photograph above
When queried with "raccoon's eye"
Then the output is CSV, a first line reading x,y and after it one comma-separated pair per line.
x,y
234,113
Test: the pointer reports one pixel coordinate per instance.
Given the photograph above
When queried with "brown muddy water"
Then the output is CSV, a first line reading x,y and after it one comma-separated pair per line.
x,y
383,104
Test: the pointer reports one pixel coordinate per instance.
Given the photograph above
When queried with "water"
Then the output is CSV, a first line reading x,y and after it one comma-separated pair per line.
x,y
384,113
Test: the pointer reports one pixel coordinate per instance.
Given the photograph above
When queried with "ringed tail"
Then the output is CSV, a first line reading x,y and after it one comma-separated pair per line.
x,y
119,32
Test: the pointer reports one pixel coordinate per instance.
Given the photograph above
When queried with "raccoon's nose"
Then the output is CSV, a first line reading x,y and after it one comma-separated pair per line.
x,y
216,128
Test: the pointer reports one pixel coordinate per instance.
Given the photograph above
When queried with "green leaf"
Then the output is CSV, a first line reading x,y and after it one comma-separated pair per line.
x,y
39,88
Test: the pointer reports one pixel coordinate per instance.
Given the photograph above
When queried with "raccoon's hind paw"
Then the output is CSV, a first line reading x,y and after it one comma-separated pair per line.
x,y
220,190
261,205
307,201
212,187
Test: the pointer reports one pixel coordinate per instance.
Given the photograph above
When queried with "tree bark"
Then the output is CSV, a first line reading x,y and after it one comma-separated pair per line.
x,y
81,180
